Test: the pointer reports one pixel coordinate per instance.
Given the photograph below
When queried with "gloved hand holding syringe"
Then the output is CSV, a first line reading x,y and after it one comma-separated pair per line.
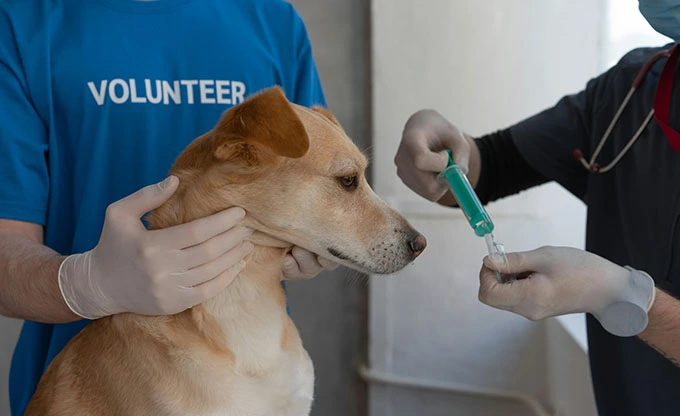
x,y
619,298
474,211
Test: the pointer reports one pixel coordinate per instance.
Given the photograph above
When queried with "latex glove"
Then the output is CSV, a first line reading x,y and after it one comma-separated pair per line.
x,y
564,280
154,272
421,154
302,264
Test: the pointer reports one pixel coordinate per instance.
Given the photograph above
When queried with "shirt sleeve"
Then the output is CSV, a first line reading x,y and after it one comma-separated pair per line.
x,y
307,89
504,170
548,139
24,180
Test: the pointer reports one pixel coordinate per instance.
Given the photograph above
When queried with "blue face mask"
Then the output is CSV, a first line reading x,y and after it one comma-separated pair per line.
x,y
663,16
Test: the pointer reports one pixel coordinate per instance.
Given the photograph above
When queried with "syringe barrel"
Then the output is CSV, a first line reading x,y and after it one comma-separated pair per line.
x,y
466,198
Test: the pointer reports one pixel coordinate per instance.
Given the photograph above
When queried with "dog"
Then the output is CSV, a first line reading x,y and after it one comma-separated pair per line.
x,y
302,182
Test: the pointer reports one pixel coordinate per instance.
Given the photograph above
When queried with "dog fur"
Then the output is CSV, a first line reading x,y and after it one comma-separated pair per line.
x,y
301,181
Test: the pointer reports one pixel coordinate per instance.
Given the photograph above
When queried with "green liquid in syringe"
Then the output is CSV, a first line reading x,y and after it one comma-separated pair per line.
x,y
474,211
467,199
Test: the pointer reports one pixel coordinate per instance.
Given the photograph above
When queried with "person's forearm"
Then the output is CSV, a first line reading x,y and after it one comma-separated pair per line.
x,y
28,278
663,331
475,162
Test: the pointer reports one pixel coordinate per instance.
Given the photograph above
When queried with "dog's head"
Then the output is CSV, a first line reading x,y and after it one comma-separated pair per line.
x,y
299,178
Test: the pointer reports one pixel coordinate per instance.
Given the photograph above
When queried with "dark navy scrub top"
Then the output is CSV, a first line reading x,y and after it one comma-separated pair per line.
x,y
633,216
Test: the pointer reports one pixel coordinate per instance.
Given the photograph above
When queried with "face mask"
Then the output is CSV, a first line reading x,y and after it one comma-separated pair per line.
x,y
663,16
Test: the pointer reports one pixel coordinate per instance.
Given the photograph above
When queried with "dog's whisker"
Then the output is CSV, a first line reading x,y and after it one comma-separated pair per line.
x,y
355,278
368,153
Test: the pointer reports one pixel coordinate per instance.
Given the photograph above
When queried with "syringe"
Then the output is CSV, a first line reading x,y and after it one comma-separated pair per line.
x,y
469,202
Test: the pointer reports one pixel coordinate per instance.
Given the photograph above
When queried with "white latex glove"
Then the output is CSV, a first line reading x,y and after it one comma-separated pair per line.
x,y
421,154
563,280
154,272
302,264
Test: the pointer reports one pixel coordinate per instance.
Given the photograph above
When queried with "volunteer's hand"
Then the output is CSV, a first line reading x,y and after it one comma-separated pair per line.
x,y
421,154
563,280
302,264
154,272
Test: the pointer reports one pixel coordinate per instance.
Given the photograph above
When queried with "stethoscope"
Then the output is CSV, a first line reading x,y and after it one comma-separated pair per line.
x,y
660,111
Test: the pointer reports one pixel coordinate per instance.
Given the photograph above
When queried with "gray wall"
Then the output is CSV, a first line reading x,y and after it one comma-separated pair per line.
x,y
9,332
330,310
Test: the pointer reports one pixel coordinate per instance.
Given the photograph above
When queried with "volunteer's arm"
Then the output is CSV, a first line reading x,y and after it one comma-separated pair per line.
x,y
28,269
131,269
28,275
663,331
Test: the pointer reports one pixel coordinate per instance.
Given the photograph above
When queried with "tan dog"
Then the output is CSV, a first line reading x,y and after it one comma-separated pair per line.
x,y
301,181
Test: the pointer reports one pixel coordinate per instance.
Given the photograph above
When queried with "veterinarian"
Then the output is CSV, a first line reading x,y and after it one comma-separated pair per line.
x,y
98,98
633,199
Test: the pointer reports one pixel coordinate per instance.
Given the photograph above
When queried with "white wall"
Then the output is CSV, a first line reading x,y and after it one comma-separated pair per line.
x,y
484,65
626,29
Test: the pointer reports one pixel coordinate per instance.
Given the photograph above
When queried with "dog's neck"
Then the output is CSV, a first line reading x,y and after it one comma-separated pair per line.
x,y
262,239
259,281
251,311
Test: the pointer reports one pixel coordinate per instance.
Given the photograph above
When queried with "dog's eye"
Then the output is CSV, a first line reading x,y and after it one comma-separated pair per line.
x,y
348,182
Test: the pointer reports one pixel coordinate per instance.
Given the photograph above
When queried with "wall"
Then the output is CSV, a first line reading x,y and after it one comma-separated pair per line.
x,y
626,29
568,373
484,65
9,332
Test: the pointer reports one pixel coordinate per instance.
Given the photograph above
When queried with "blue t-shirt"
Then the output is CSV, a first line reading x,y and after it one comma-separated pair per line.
x,y
97,99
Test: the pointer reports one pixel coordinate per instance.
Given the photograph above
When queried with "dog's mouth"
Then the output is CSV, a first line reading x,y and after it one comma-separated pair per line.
x,y
339,254
349,261
382,267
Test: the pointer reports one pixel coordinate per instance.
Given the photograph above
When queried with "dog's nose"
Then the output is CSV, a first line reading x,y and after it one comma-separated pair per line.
x,y
417,244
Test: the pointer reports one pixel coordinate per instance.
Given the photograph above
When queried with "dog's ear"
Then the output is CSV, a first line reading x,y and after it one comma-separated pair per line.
x,y
326,113
262,127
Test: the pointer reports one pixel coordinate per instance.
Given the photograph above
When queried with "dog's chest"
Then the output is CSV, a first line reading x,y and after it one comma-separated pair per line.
x,y
285,390
269,372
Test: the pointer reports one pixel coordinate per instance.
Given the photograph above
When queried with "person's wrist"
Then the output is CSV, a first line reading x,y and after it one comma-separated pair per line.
x,y
627,284
76,287
642,286
67,287
624,311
